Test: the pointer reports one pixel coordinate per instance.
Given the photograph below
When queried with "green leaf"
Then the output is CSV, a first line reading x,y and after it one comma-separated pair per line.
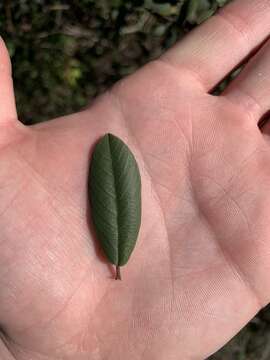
x,y
115,198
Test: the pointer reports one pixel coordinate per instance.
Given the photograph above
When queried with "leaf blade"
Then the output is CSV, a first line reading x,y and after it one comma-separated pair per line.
x,y
115,182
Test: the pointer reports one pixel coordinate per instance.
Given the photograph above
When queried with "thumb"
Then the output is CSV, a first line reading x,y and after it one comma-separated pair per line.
x,y
8,112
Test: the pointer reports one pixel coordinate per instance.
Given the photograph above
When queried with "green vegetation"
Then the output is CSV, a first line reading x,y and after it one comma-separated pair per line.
x,y
64,53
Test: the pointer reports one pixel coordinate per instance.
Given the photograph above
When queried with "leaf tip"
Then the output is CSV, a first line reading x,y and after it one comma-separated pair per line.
x,y
111,136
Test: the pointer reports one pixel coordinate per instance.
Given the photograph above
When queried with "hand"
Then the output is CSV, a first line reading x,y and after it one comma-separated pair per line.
x,y
200,269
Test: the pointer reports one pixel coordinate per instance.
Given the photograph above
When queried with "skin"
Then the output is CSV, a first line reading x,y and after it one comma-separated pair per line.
x,y
200,270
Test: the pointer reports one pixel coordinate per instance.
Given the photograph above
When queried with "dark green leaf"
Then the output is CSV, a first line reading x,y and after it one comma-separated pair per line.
x,y
115,198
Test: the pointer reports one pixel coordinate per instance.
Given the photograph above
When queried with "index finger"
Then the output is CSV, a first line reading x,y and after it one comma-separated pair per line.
x,y
216,47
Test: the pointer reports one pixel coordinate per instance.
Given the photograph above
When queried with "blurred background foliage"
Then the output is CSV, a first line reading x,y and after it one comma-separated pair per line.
x,y
64,53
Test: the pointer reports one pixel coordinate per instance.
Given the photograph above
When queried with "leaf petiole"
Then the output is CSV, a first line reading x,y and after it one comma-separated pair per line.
x,y
117,273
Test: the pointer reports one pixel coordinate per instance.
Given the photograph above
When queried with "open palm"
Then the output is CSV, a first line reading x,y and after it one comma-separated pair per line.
x,y
200,269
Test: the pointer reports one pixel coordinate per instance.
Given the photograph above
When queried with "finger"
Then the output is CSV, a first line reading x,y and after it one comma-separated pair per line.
x,y
7,99
212,50
251,89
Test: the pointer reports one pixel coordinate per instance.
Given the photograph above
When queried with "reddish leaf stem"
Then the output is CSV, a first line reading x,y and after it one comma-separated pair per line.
x,y
118,273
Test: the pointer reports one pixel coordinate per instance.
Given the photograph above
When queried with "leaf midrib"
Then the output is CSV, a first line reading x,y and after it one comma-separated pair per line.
x,y
116,196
